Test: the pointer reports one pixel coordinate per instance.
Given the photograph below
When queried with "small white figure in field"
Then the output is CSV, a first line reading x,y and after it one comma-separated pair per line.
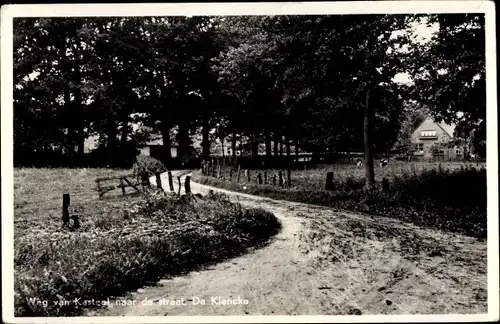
x,y
384,162
359,163
244,187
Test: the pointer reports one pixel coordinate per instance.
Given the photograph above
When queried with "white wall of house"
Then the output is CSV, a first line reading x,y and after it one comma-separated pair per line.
x,y
173,152
144,151
426,135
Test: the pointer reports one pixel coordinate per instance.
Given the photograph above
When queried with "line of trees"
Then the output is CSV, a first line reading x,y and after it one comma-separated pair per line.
x,y
315,83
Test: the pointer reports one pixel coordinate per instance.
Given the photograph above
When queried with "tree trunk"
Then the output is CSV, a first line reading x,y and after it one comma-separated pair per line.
x,y
222,146
183,140
124,135
233,146
165,133
79,115
315,154
111,134
80,121
205,137
281,145
296,151
255,146
368,117
70,137
276,141
269,149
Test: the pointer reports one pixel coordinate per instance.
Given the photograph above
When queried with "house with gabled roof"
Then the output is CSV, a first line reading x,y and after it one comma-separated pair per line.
x,y
432,139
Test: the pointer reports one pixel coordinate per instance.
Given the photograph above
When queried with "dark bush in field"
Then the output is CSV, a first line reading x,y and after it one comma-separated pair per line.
x,y
161,236
149,165
448,200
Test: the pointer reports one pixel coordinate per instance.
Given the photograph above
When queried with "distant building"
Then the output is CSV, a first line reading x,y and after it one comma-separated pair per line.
x,y
91,143
154,148
431,139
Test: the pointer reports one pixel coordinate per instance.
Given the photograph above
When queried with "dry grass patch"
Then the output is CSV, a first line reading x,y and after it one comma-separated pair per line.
x,y
371,266
116,251
451,198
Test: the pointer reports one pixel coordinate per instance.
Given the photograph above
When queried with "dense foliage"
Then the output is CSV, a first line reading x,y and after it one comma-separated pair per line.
x,y
301,81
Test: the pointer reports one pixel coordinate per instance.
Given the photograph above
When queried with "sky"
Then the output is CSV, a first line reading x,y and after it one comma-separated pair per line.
x,y
423,33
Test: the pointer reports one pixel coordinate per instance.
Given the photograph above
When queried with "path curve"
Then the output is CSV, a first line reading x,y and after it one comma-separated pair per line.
x,y
296,275
269,278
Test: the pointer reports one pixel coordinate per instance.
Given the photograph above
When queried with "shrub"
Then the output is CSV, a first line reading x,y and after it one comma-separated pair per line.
x,y
149,165
161,236
452,200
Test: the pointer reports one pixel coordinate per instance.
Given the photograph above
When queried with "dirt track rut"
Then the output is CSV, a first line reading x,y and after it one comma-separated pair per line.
x,y
316,266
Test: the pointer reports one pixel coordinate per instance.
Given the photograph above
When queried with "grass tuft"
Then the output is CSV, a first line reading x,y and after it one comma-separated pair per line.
x,y
452,198
124,243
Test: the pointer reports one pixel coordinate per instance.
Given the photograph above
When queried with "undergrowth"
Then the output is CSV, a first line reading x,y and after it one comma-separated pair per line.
x,y
452,200
154,238
149,165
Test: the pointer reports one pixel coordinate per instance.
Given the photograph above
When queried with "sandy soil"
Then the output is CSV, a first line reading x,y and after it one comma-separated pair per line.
x,y
329,263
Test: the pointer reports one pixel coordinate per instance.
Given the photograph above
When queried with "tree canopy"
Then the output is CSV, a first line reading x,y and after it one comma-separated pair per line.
x,y
300,81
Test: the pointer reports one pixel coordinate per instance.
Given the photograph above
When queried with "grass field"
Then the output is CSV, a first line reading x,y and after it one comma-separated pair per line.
x,y
115,251
449,196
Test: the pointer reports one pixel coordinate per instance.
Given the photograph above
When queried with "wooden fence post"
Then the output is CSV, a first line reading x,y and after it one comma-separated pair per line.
x,y
280,175
385,183
122,185
65,211
158,181
218,171
230,173
180,184
439,168
274,180
187,184
213,168
265,176
98,187
238,174
259,178
170,181
249,176
145,180
289,177
329,181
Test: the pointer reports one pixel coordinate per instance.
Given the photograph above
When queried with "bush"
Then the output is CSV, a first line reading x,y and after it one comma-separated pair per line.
x,y
149,165
161,236
452,200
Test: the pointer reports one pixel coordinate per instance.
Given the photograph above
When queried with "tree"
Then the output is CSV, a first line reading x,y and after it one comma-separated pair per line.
x,y
450,75
411,117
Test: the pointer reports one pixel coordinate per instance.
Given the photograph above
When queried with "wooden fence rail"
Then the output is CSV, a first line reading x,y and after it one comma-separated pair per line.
x,y
125,181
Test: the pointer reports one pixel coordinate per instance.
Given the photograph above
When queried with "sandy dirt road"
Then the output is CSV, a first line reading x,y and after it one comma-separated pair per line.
x,y
328,263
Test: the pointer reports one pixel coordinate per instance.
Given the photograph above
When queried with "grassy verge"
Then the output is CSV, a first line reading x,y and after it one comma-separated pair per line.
x,y
124,243
452,199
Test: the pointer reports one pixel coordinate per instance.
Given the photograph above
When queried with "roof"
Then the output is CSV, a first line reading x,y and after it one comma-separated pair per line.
x,y
154,141
450,129
447,128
